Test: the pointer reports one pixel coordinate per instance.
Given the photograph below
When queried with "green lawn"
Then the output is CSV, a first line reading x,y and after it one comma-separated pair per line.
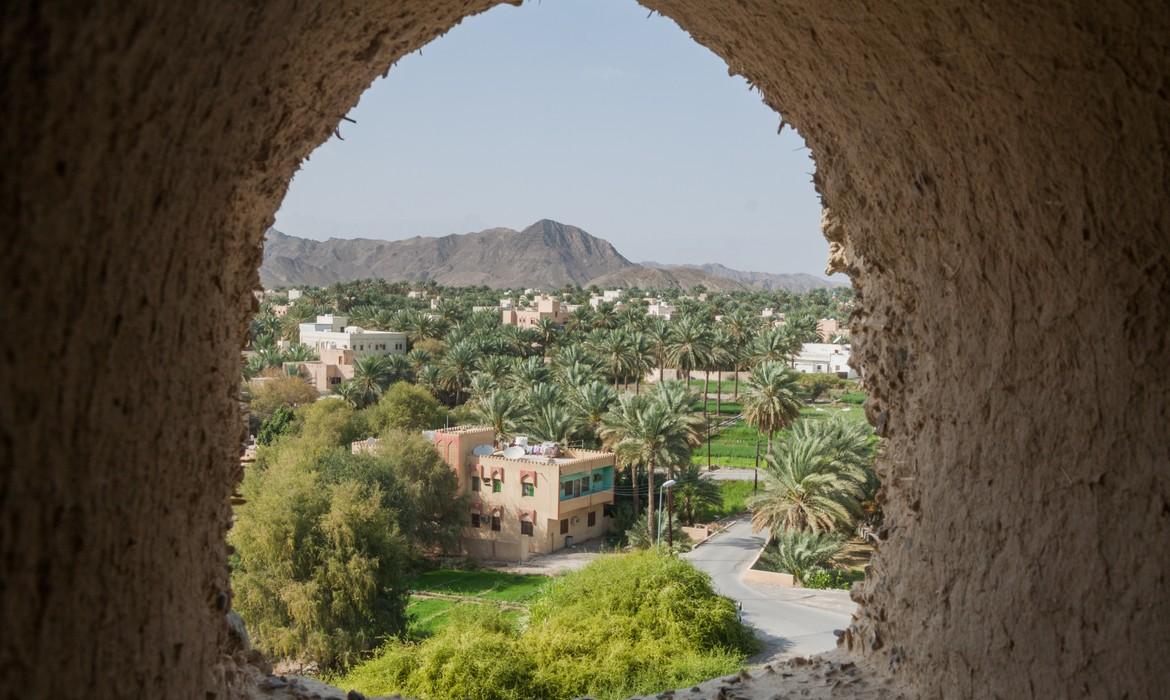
x,y
429,615
735,446
727,408
735,495
728,385
489,585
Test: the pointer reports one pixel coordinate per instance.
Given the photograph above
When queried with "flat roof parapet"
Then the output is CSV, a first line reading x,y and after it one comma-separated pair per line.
x,y
458,429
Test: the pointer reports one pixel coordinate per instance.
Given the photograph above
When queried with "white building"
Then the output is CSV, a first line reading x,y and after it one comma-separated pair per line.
x,y
293,295
609,296
660,309
821,358
330,332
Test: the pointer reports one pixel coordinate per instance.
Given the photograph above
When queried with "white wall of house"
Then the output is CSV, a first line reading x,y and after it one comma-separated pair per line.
x,y
331,333
817,358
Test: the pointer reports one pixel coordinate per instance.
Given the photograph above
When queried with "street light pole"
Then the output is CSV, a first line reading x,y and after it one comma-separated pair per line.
x,y
665,489
670,519
708,443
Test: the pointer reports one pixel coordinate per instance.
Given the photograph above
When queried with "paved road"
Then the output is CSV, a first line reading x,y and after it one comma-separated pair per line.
x,y
785,626
732,474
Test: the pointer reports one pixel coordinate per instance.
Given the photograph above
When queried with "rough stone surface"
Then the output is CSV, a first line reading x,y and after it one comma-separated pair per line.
x,y
996,177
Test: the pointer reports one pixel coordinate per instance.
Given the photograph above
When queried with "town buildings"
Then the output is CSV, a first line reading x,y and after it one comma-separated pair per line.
x,y
829,328
609,296
330,332
660,309
527,499
544,307
821,358
333,367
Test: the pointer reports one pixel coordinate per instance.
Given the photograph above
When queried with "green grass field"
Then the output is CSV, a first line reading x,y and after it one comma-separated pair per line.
x,y
735,495
489,585
728,385
735,446
428,615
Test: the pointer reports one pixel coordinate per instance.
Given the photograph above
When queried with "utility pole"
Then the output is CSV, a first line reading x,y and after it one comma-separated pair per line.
x,y
756,476
708,443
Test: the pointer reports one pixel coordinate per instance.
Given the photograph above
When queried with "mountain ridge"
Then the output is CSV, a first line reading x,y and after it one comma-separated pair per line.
x,y
546,254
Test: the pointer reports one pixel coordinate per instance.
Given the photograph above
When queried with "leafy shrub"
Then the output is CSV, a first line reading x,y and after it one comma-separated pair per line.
x,y
815,385
320,565
797,553
277,425
326,540
271,394
854,397
638,535
405,406
625,624
831,578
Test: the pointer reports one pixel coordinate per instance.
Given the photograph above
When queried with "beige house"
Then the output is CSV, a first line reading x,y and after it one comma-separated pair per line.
x,y
334,367
545,307
829,328
536,500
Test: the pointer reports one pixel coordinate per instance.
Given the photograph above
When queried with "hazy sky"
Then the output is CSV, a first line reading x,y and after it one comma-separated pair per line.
x,y
583,111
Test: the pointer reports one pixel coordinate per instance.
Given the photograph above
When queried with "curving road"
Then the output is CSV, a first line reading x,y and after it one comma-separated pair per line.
x,y
785,619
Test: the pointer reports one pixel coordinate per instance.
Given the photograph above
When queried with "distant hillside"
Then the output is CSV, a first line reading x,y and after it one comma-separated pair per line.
x,y
791,281
664,278
547,254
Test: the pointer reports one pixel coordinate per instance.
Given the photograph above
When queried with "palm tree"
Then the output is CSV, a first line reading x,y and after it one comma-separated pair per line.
x,y
419,326
614,351
798,553
693,493
351,393
456,367
547,332
617,425
398,368
430,378
371,375
849,446
300,353
772,403
502,411
579,319
803,327
528,372
689,345
498,367
253,366
658,337
577,374
539,396
450,311
721,357
773,345
805,489
552,423
517,341
418,358
589,404
482,385
682,403
644,431
641,357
